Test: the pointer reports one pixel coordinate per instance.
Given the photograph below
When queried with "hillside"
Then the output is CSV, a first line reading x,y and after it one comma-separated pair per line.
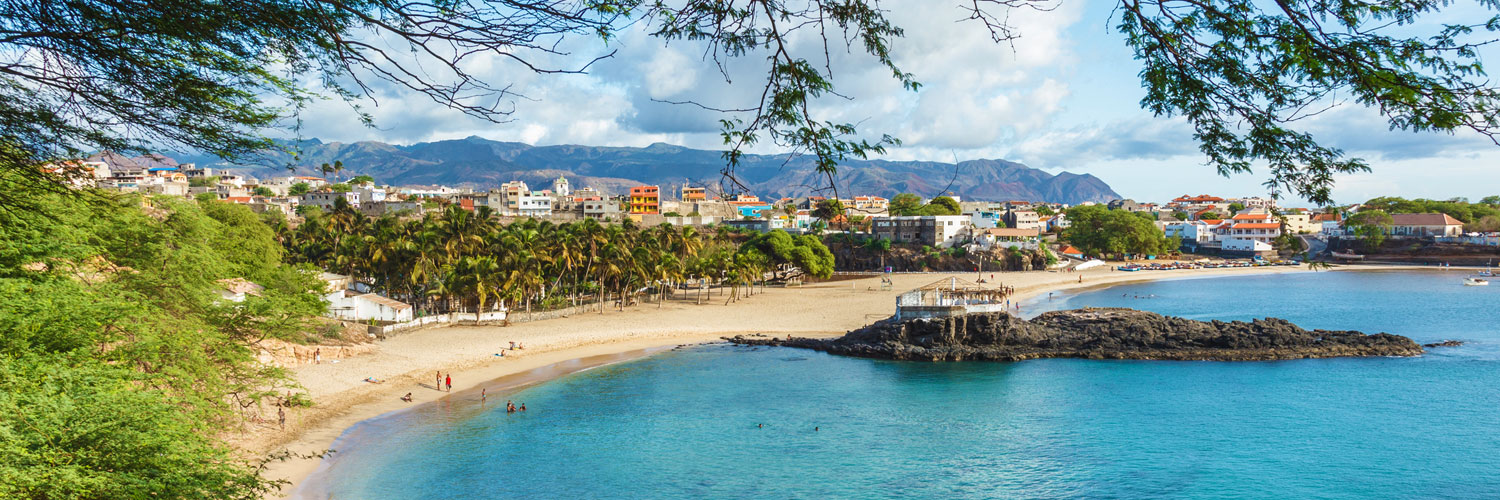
x,y
486,163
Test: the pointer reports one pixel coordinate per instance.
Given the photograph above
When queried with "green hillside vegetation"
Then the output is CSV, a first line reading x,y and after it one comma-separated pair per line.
x,y
1097,230
120,368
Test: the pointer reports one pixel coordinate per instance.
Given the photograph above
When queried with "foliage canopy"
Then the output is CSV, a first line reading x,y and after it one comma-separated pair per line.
x,y
180,75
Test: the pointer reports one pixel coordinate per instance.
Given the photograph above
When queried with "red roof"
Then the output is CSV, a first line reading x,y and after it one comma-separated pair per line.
x,y
1212,222
238,199
1257,225
1070,250
1252,217
1202,198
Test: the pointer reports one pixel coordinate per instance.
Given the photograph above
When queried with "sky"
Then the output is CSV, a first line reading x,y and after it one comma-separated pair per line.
x,y
1062,97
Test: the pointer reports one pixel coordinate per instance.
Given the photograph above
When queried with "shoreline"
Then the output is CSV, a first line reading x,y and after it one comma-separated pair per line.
x,y
563,346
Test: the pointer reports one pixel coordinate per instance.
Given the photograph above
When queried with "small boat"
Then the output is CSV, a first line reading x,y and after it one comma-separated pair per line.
x,y
1476,282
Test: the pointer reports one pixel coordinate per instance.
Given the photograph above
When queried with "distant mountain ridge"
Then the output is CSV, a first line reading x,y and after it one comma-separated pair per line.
x,y
486,163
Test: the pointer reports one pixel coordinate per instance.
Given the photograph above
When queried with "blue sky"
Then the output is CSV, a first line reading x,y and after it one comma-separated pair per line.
x,y
1064,97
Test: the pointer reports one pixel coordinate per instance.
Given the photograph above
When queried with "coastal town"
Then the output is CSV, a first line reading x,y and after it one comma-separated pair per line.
x,y
732,249
959,233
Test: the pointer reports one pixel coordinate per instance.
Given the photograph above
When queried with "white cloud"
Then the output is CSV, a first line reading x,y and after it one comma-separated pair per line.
x,y
1062,97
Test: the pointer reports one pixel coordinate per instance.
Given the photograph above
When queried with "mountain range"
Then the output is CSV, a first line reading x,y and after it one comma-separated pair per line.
x,y
613,170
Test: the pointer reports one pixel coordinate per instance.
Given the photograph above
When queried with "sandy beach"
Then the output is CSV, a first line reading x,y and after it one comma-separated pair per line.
x,y
408,362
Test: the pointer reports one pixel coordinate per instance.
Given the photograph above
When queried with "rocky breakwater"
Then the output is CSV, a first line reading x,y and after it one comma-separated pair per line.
x,y
1095,333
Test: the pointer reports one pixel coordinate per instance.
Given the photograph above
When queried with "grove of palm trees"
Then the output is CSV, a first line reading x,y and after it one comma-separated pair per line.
x,y
455,260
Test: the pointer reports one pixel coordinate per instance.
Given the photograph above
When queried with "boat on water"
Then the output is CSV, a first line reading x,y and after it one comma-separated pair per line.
x,y
1476,282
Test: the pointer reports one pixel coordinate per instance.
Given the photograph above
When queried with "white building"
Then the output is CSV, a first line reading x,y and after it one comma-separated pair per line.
x,y
534,204
931,230
1023,219
370,193
560,187
355,306
1243,236
1196,231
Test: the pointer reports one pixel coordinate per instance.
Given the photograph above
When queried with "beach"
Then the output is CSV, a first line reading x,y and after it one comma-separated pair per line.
x,y
408,362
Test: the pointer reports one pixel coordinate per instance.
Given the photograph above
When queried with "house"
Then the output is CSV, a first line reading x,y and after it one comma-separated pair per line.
x,y
1005,237
645,200
694,193
1194,234
356,306
931,230
237,289
532,204
601,209
1072,252
1425,225
560,187
1023,219
870,203
1056,222
1247,237
326,199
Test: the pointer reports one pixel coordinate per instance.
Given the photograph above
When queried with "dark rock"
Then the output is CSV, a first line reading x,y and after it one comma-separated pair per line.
x,y
1445,343
1096,333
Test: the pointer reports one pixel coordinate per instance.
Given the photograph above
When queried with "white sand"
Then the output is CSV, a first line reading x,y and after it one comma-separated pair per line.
x,y
409,361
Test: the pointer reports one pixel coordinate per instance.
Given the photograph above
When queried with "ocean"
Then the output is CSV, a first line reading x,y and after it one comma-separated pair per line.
x,y
723,421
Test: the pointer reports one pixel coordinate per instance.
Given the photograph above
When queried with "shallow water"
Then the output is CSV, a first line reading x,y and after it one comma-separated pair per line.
x,y
683,424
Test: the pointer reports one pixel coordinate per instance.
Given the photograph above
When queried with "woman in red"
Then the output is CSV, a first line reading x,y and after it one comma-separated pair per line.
x,y
448,380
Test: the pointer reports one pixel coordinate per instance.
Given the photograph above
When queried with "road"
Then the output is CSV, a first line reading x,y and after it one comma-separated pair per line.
x,y
1315,246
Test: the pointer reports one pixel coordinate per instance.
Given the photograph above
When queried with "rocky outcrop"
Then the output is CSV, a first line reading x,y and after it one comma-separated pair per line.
x,y
1445,343
1105,333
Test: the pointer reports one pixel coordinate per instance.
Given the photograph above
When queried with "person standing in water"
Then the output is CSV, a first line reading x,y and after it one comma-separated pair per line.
x,y
449,381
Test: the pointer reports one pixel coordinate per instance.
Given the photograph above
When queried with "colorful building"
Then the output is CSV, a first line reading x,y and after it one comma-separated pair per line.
x,y
645,200
694,193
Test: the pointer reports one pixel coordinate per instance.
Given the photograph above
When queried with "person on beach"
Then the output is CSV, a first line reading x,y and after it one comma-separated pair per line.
x,y
449,381
439,383
512,344
318,356
482,395
407,397
281,416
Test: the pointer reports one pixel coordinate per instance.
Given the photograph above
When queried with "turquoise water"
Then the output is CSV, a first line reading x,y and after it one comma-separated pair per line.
x,y
682,424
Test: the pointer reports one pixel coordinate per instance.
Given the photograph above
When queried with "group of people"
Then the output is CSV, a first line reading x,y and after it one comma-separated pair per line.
x,y
511,407
444,381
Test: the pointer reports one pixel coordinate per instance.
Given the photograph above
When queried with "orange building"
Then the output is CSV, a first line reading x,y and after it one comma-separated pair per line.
x,y
694,194
645,200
